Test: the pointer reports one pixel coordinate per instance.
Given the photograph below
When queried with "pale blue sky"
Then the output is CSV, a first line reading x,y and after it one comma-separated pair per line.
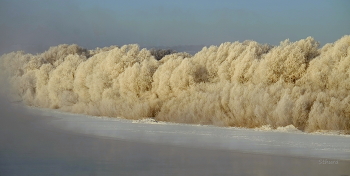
x,y
37,24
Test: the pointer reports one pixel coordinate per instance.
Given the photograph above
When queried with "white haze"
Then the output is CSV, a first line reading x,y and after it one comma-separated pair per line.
x,y
235,84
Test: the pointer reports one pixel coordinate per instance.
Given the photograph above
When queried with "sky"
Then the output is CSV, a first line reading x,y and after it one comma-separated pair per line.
x,y
35,25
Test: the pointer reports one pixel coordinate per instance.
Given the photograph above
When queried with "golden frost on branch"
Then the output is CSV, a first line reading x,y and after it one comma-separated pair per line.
x,y
235,84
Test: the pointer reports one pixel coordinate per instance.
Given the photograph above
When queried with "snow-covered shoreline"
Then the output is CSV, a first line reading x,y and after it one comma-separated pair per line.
x,y
284,141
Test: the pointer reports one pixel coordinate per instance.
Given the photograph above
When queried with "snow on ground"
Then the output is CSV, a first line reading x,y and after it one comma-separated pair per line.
x,y
287,141
148,121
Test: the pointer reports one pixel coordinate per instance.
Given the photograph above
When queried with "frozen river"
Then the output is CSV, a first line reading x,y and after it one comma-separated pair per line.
x,y
45,142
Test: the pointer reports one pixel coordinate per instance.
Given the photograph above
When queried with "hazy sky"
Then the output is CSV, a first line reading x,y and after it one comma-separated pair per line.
x,y
36,24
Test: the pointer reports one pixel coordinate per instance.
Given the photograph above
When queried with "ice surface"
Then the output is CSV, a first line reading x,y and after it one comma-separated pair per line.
x,y
287,141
